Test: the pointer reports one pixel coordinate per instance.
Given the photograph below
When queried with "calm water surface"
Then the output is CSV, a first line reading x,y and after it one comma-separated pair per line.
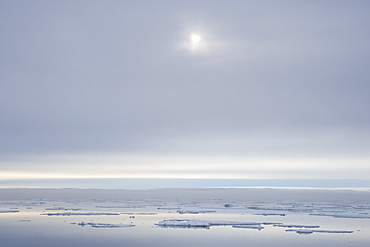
x,y
30,227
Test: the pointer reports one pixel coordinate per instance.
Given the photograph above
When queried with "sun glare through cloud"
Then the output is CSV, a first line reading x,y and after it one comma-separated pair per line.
x,y
195,40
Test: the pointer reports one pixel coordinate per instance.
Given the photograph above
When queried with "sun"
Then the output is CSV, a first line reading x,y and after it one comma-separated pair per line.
x,y
195,39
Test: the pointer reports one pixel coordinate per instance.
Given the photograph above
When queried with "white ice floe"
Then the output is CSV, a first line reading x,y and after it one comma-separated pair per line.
x,y
77,214
202,223
355,216
104,225
271,214
62,208
195,212
248,227
271,223
140,213
100,225
296,226
232,223
309,231
183,223
168,208
119,206
9,211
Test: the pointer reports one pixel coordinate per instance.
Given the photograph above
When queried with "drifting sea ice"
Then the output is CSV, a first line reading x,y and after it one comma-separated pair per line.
x,y
203,223
140,213
270,214
9,211
296,226
232,223
309,231
354,216
168,208
183,223
63,208
195,212
248,227
104,225
134,206
77,214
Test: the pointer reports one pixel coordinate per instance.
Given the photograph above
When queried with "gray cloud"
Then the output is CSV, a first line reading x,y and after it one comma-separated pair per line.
x,y
282,78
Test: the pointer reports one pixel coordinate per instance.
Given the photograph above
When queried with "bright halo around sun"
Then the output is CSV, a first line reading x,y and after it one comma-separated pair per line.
x,y
195,40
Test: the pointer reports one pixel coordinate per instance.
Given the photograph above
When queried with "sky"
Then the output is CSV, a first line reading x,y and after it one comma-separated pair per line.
x,y
190,89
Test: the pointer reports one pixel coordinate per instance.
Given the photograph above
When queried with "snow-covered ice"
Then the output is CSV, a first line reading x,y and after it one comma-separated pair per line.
x,y
354,216
104,225
168,208
309,231
140,213
63,208
9,211
77,214
296,226
195,211
203,223
270,214
231,223
248,227
183,223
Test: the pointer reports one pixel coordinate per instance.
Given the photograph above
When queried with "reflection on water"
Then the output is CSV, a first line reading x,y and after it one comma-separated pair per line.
x,y
175,222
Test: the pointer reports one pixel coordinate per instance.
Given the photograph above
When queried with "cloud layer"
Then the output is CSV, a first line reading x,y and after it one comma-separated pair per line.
x,y
283,80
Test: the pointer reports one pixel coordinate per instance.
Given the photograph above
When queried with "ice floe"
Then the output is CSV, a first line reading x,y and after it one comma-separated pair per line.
x,y
309,231
185,223
248,227
232,223
356,216
168,208
62,208
271,223
140,213
119,206
9,211
104,225
195,212
270,214
296,226
77,214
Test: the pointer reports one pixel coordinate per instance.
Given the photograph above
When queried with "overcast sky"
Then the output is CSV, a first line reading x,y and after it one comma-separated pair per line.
x,y
273,89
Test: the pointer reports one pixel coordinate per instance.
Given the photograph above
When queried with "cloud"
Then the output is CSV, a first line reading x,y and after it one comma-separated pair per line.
x,y
276,79
177,166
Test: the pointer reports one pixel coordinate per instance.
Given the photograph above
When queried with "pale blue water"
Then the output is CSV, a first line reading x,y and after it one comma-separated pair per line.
x,y
30,227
